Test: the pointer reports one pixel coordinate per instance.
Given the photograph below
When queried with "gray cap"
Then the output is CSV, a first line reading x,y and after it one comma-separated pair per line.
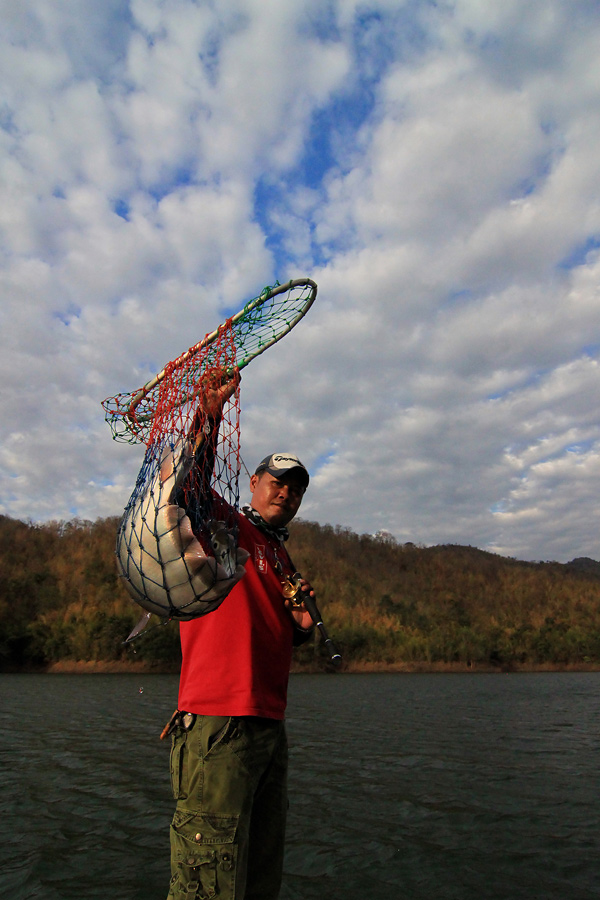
x,y
279,464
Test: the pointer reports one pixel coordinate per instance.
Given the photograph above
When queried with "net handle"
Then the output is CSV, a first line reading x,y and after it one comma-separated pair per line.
x,y
206,341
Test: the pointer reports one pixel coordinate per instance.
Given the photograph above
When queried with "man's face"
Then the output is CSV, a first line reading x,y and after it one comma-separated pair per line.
x,y
276,499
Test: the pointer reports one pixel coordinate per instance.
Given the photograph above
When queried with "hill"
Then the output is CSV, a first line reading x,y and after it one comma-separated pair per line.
x,y
386,605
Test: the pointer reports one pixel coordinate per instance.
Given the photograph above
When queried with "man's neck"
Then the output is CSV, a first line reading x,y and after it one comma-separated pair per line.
x,y
280,533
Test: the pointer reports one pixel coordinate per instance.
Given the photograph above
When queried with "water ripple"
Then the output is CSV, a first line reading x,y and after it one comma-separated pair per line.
x,y
401,787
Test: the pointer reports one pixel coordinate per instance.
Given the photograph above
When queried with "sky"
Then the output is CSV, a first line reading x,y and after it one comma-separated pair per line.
x,y
433,166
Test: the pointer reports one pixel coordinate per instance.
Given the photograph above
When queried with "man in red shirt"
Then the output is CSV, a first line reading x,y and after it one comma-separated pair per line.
x,y
229,752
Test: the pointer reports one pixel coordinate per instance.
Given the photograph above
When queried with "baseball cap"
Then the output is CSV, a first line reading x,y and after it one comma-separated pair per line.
x,y
279,464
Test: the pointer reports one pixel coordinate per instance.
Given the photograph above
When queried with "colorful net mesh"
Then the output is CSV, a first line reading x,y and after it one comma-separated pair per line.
x,y
177,543
261,323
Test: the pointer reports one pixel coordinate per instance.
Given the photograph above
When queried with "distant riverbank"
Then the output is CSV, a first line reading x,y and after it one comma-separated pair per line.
x,y
79,667
385,605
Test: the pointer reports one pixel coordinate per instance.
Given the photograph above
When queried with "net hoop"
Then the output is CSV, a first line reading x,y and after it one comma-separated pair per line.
x,y
261,322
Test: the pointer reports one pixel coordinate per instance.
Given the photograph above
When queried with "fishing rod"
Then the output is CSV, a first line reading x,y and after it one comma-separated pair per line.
x,y
292,591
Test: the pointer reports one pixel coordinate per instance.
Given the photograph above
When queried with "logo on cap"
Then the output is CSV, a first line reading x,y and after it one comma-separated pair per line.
x,y
278,458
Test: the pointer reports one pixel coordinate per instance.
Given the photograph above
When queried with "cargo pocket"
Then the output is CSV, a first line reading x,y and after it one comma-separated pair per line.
x,y
203,856
179,778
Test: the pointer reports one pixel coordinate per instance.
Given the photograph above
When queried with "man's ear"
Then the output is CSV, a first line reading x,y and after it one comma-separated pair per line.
x,y
253,482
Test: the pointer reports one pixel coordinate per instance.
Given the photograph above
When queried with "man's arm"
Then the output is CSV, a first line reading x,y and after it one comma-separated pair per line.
x,y
195,493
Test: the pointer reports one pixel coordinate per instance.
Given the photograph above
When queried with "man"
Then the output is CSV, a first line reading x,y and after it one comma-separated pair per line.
x,y
229,751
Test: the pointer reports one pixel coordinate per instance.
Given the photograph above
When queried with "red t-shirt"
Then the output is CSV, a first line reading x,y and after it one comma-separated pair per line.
x,y
236,660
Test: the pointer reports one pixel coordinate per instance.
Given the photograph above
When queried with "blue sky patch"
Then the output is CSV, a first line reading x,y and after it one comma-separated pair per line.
x,y
121,207
578,255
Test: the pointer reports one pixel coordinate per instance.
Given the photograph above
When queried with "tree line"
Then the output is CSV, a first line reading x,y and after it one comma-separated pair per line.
x,y
385,604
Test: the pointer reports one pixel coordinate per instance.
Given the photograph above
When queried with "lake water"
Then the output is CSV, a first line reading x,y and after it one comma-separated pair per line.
x,y
402,787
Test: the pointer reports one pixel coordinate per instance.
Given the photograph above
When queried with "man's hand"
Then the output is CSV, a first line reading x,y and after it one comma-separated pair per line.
x,y
216,388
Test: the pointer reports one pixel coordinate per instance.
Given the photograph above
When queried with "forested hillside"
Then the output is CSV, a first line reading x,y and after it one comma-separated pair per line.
x,y
385,604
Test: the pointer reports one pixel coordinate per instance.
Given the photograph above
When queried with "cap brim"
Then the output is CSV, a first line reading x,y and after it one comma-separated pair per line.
x,y
304,477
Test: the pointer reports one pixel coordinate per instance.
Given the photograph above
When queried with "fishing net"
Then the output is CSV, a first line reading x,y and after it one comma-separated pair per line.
x,y
177,543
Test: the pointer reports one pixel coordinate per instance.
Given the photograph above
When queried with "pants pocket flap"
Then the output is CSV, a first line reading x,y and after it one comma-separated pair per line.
x,y
197,828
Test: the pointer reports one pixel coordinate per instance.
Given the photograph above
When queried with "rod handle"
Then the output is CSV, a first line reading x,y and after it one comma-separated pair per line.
x,y
311,606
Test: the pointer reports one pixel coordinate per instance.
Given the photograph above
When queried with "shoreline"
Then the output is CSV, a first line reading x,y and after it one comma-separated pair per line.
x,y
123,667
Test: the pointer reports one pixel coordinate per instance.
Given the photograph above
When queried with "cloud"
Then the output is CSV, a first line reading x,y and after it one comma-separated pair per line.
x,y
433,166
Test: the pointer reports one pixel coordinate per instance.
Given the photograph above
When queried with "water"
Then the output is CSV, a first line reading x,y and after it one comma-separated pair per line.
x,y
402,787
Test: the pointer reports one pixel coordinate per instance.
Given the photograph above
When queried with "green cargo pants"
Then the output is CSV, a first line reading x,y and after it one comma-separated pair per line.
x,y
229,777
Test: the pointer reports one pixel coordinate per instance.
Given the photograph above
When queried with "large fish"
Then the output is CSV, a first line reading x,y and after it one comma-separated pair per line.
x,y
165,567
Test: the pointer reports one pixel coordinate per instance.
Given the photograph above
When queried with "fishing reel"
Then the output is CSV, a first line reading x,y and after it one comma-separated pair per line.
x,y
292,590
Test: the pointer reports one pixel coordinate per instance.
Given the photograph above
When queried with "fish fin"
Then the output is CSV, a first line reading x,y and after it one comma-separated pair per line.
x,y
139,627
